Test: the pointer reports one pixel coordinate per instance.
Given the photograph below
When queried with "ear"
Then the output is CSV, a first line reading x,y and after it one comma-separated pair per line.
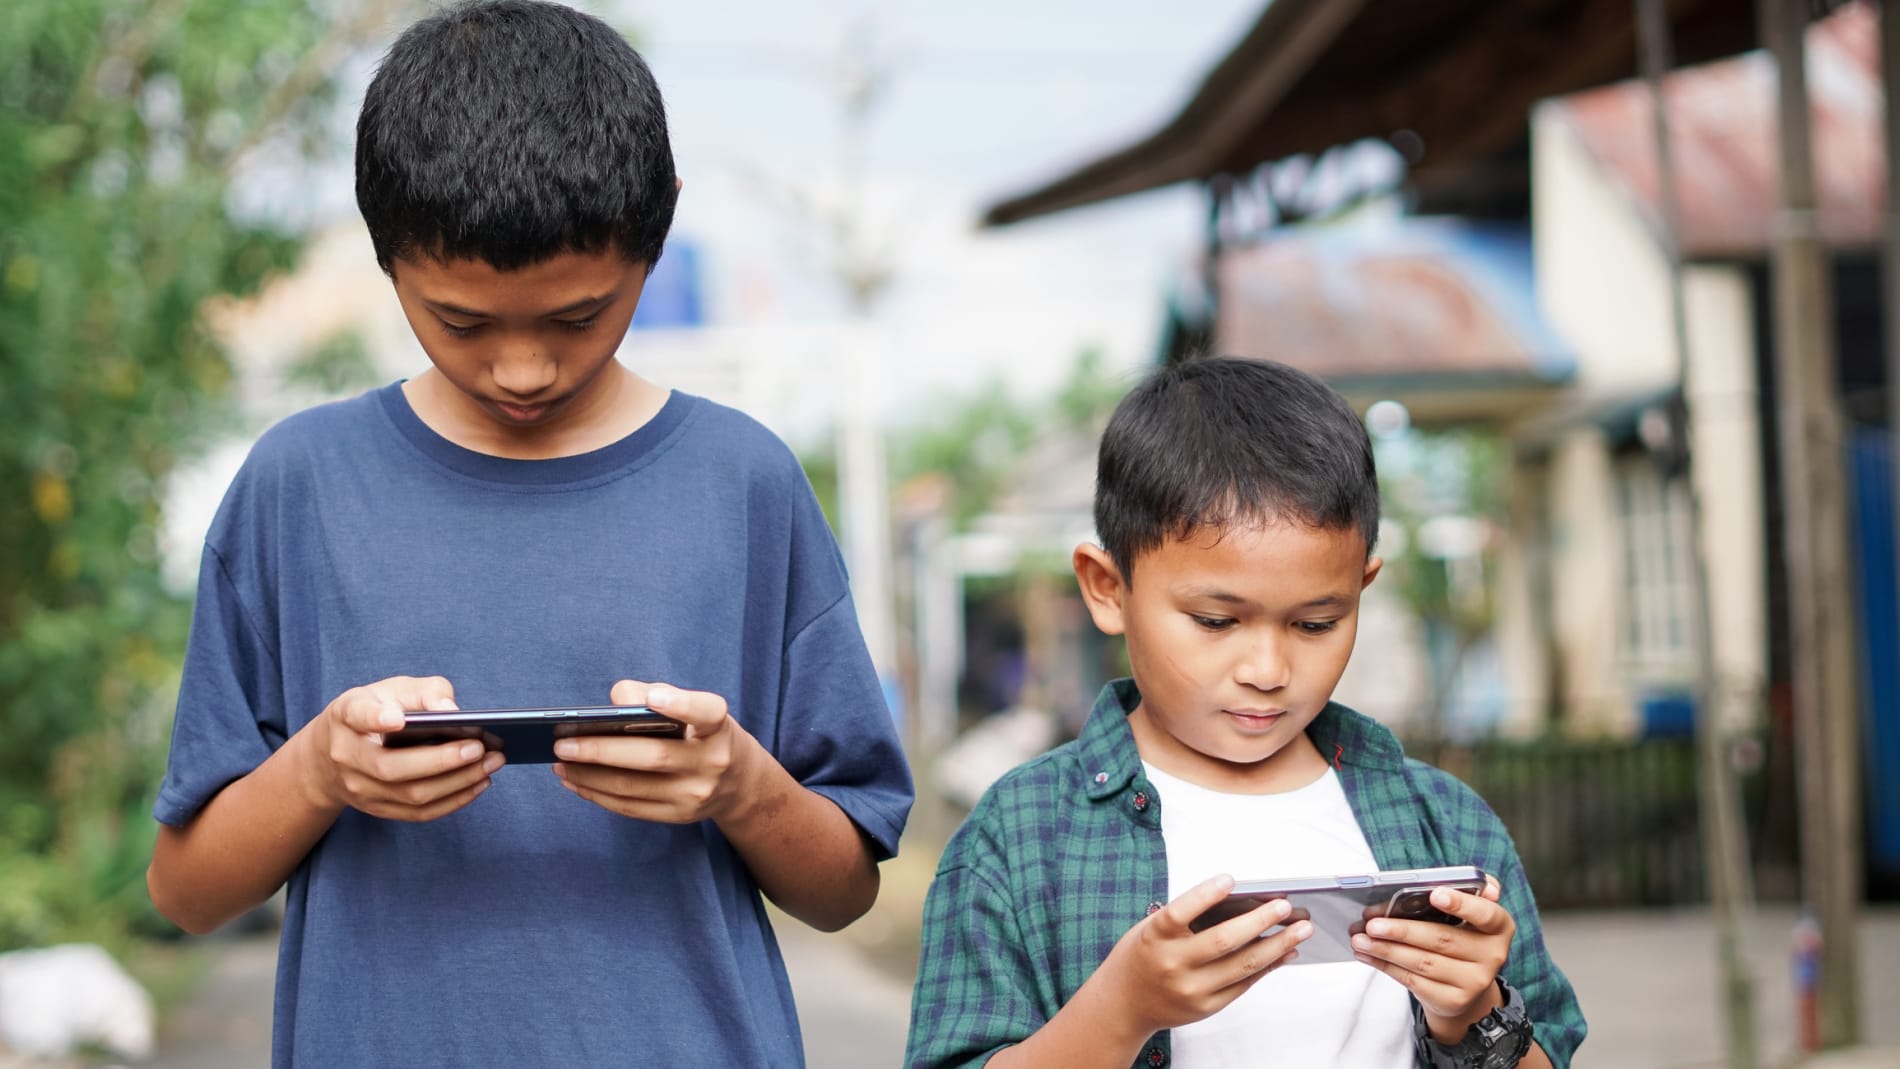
x,y
1373,567
678,184
1102,586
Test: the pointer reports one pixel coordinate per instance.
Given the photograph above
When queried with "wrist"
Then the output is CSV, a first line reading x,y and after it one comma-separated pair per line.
x,y
755,785
1105,1011
1451,1029
312,769
1499,1039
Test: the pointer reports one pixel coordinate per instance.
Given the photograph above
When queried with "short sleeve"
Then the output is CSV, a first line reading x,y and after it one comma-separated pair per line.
x,y
230,715
1556,1019
976,991
835,732
1475,835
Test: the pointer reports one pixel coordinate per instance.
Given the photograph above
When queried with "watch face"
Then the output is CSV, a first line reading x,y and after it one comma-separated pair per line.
x,y
1509,1048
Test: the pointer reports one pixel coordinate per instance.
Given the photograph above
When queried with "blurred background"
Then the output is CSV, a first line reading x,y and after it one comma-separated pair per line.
x,y
1635,446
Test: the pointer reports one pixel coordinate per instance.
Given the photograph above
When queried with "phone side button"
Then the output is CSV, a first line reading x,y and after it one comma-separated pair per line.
x,y
1355,881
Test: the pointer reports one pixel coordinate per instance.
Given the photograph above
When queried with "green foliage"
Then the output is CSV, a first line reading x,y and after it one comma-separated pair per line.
x,y
974,440
977,439
120,124
337,366
1459,474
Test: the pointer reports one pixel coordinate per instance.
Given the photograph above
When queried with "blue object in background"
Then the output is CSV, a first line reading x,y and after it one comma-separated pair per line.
x,y
674,296
1870,462
1668,714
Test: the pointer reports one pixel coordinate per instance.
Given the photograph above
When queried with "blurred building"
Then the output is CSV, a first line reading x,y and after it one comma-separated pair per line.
x,y
1524,118
1597,532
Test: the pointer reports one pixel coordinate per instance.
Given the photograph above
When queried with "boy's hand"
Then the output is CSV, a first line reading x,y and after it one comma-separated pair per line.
x,y
1451,970
1162,974
414,783
672,781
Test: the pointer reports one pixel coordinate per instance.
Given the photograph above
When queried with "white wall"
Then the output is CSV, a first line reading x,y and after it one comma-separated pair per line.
x,y
1603,284
1725,427
1586,582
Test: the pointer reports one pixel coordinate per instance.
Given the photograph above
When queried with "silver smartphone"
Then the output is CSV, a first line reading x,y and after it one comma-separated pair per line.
x,y
1340,906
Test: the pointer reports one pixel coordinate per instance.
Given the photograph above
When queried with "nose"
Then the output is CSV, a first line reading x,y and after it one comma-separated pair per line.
x,y
1265,666
523,370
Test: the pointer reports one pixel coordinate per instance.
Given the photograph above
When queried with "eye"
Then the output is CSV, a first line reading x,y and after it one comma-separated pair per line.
x,y
1212,623
1316,627
458,332
579,324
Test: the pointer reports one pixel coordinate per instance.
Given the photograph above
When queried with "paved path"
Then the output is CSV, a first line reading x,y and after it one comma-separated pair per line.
x,y
1646,981
853,1016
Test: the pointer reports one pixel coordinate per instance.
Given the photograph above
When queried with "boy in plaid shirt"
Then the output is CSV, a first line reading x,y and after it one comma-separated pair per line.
x,y
1238,506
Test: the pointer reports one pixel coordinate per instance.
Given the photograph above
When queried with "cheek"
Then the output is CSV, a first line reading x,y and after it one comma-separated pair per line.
x,y
1328,663
1177,653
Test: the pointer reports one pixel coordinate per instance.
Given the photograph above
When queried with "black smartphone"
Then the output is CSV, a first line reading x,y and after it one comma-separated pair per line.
x,y
527,736
1340,906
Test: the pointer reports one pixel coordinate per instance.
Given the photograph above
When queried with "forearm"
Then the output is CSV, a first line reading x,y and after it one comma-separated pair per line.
x,y
802,850
1085,1032
243,845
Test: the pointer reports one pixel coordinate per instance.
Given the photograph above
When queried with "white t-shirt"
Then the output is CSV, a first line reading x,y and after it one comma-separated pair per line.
x,y
1299,1016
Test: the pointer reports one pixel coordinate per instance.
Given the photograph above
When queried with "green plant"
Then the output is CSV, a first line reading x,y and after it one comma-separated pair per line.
x,y
122,123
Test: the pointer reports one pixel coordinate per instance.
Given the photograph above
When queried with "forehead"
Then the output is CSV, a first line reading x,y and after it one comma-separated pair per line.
x,y
1260,561
475,283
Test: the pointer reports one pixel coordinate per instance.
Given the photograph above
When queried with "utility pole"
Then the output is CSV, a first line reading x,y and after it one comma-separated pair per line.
x,y
834,221
1890,256
1815,505
1724,850
864,492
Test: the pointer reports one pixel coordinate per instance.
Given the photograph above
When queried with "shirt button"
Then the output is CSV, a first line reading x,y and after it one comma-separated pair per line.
x,y
1154,908
1141,802
1157,1057
1101,777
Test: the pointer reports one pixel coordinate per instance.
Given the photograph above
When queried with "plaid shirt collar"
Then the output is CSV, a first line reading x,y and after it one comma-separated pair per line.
x,y
1106,747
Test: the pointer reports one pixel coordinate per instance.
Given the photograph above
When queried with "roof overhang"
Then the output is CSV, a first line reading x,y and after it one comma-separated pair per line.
x,y
1459,76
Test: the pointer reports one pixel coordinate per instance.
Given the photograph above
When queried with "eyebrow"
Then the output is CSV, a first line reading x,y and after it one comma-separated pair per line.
x,y
566,309
1212,593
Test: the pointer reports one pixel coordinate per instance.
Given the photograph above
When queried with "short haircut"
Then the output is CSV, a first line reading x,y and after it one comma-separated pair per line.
x,y
1217,441
512,131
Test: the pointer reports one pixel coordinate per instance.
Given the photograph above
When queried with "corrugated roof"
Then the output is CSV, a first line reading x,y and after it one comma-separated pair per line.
x,y
1722,119
1415,305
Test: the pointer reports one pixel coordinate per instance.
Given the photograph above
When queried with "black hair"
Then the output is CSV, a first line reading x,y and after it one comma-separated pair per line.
x,y
1216,441
512,131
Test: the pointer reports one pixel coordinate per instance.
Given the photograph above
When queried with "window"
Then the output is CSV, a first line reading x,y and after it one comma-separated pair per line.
x,y
1658,605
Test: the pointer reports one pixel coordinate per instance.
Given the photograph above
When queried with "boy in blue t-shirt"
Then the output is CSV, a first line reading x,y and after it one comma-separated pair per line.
x,y
526,523
1238,505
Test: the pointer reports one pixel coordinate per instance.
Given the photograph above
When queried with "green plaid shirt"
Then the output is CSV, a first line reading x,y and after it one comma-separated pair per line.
x,y
1064,855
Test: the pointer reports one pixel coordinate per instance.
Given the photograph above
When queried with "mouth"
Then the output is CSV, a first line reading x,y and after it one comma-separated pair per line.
x,y
1255,720
524,413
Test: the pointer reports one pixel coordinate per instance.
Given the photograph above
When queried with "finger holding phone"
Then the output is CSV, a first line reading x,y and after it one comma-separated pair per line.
x,y
672,781
1163,974
1451,969
1171,975
806,855
354,769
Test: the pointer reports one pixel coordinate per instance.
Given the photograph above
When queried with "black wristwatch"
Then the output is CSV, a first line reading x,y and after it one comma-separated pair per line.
x,y
1499,1039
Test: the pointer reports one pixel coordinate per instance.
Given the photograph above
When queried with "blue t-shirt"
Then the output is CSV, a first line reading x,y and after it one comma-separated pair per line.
x,y
531,928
